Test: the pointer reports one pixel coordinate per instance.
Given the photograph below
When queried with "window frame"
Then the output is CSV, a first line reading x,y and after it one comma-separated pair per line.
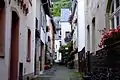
x,y
113,15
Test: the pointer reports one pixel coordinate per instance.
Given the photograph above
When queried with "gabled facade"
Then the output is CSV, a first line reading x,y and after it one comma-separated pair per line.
x,y
65,25
23,38
17,39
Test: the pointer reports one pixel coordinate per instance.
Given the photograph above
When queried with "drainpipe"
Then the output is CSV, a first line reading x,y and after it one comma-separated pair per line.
x,y
78,37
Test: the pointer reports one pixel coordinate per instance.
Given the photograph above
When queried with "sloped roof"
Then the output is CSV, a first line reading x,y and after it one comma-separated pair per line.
x,y
65,13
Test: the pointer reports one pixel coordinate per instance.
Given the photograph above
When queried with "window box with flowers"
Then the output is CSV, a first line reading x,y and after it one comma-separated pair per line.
x,y
110,37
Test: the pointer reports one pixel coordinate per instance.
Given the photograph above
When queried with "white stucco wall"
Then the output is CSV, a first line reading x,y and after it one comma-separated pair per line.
x,y
42,35
57,46
65,26
25,23
75,36
97,9
81,25
30,23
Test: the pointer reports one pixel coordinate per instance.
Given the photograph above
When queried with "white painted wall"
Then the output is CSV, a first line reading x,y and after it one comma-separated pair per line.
x,y
42,34
57,43
25,23
75,36
65,26
92,10
81,25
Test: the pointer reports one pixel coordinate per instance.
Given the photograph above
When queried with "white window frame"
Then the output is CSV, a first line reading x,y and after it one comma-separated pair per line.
x,y
113,15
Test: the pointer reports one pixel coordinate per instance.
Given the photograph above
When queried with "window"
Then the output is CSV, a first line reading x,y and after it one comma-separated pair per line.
x,y
60,43
117,3
114,13
88,37
48,38
93,34
60,32
59,37
29,46
56,46
67,34
36,23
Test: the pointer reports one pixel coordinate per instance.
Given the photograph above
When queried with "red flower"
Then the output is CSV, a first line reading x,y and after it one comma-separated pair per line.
x,y
110,33
107,34
115,30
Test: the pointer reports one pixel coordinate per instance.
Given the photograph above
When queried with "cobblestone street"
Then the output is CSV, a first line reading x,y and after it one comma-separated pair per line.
x,y
57,73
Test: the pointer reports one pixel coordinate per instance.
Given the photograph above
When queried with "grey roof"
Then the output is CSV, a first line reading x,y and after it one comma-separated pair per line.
x,y
65,13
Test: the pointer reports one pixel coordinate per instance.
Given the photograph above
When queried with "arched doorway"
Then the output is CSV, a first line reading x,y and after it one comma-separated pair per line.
x,y
14,47
2,27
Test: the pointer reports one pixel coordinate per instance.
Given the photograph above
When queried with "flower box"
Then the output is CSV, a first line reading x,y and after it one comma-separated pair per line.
x,y
110,37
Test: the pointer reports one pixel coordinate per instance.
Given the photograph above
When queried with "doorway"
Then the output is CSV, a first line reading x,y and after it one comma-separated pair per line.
x,y
14,47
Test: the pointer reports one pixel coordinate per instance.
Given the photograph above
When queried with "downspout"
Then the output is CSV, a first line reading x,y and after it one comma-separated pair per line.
x,y
78,38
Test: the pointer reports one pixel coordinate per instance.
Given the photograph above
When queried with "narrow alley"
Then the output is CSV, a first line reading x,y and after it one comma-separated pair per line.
x,y
59,39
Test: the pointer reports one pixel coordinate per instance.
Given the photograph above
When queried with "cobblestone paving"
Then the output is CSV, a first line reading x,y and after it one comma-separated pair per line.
x,y
57,73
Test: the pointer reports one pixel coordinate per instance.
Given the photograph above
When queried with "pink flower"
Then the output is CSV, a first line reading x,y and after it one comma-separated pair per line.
x,y
115,30
110,33
103,33
106,34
